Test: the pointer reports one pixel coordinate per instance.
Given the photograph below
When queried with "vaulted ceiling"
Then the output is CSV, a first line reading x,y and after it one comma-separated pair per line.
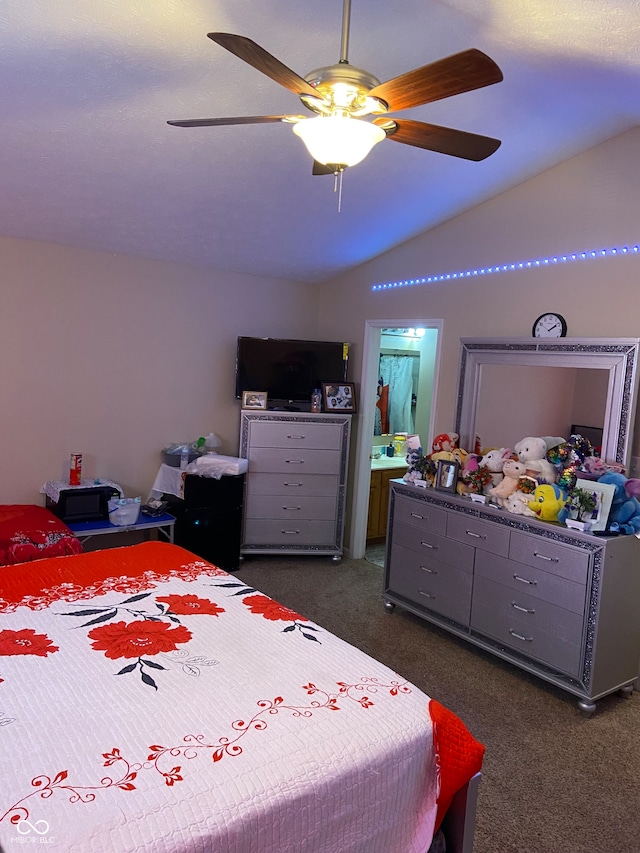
x,y
87,158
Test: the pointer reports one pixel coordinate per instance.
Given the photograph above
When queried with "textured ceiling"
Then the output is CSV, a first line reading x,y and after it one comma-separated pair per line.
x,y
87,159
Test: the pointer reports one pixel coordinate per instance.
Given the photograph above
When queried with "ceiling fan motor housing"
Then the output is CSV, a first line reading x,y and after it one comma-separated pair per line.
x,y
344,87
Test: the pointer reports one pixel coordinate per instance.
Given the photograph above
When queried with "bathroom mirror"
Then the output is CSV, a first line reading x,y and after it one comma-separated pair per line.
x,y
510,388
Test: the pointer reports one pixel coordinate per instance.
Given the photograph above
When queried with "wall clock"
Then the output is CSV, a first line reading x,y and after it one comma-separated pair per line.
x,y
550,325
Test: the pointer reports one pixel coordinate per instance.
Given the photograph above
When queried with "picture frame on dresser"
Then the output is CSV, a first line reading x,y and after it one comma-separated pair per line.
x,y
604,493
338,397
447,475
256,400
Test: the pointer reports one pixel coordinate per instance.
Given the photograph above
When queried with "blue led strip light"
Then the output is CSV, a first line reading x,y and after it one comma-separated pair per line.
x,y
517,265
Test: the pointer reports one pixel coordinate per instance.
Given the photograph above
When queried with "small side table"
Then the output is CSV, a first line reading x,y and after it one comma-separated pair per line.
x,y
85,530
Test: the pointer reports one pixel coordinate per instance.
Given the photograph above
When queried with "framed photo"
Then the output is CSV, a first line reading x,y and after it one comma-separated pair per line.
x,y
447,475
338,397
604,494
254,399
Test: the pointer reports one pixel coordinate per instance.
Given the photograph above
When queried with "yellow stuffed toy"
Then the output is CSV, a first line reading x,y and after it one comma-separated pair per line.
x,y
547,502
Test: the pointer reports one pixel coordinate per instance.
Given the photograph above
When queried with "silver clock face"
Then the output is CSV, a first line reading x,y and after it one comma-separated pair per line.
x,y
550,325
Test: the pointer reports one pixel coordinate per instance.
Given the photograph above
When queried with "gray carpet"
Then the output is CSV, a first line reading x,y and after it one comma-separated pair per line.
x,y
553,782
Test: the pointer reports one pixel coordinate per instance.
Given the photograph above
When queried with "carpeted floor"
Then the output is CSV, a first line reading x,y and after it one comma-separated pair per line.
x,y
553,782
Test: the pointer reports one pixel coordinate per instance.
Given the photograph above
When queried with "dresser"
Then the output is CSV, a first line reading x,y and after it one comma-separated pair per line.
x,y
296,482
560,604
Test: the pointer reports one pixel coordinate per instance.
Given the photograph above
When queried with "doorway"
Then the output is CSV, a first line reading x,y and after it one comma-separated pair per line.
x,y
379,341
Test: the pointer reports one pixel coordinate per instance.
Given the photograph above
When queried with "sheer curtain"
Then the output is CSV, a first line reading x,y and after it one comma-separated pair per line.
x,y
396,372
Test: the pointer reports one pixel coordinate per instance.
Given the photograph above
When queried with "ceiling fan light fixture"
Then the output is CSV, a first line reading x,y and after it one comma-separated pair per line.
x,y
338,140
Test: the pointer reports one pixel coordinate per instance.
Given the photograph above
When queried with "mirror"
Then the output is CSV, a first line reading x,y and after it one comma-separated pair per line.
x,y
510,388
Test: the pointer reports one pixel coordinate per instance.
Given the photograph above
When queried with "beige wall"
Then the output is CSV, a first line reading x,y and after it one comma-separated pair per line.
x,y
590,201
115,357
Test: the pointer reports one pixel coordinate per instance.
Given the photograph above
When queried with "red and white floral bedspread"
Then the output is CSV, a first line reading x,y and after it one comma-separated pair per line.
x,y
149,701
30,532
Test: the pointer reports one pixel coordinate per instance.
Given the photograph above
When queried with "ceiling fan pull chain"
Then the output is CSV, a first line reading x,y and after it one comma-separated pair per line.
x,y
337,186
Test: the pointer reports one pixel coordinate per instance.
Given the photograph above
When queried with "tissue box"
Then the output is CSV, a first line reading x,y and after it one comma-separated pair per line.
x,y
124,511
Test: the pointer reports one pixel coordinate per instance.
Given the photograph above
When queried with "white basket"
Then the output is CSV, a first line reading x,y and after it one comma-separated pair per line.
x,y
124,511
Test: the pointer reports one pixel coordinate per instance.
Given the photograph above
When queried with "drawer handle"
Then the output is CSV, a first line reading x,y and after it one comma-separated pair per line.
x,y
426,594
475,535
292,484
520,636
543,557
525,580
290,508
429,545
295,461
430,571
297,437
417,515
290,532
522,609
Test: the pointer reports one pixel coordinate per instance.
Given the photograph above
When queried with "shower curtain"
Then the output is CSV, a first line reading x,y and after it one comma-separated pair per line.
x,y
396,373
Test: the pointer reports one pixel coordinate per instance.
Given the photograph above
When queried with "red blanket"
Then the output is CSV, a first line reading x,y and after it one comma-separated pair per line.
x,y
29,532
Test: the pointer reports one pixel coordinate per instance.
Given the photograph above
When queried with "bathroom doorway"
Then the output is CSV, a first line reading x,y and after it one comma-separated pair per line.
x,y
409,352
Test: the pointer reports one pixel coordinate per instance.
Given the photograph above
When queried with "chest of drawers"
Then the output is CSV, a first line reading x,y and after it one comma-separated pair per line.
x,y
296,482
560,604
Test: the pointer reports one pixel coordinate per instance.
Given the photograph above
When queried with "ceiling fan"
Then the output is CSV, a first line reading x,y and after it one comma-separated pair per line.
x,y
343,96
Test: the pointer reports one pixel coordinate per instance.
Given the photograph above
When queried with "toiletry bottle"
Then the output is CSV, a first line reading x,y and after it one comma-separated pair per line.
x,y
184,456
316,400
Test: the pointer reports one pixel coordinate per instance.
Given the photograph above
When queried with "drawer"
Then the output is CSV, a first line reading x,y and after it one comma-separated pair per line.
x,y
563,560
420,513
290,506
432,547
295,483
532,627
318,436
296,460
485,535
291,534
532,581
440,588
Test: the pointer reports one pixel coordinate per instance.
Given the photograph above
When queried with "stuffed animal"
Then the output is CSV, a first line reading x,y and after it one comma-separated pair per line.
x,y
518,504
494,460
624,515
532,451
548,500
512,471
445,441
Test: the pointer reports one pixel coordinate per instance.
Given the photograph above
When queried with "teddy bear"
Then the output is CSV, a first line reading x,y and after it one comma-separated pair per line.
x,y
532,450
624,515
494,460
512,470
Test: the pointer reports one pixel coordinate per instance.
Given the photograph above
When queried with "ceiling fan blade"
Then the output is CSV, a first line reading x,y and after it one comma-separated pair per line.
x,y
444,140
263,61
216,122
461,72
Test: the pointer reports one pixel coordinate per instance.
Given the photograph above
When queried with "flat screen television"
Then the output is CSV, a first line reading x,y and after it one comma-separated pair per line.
x,y
288,370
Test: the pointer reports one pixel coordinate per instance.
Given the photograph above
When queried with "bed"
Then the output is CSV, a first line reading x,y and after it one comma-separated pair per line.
x,y
150,701
30,532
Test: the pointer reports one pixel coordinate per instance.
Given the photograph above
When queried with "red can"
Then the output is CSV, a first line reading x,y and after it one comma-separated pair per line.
x,y
75,469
